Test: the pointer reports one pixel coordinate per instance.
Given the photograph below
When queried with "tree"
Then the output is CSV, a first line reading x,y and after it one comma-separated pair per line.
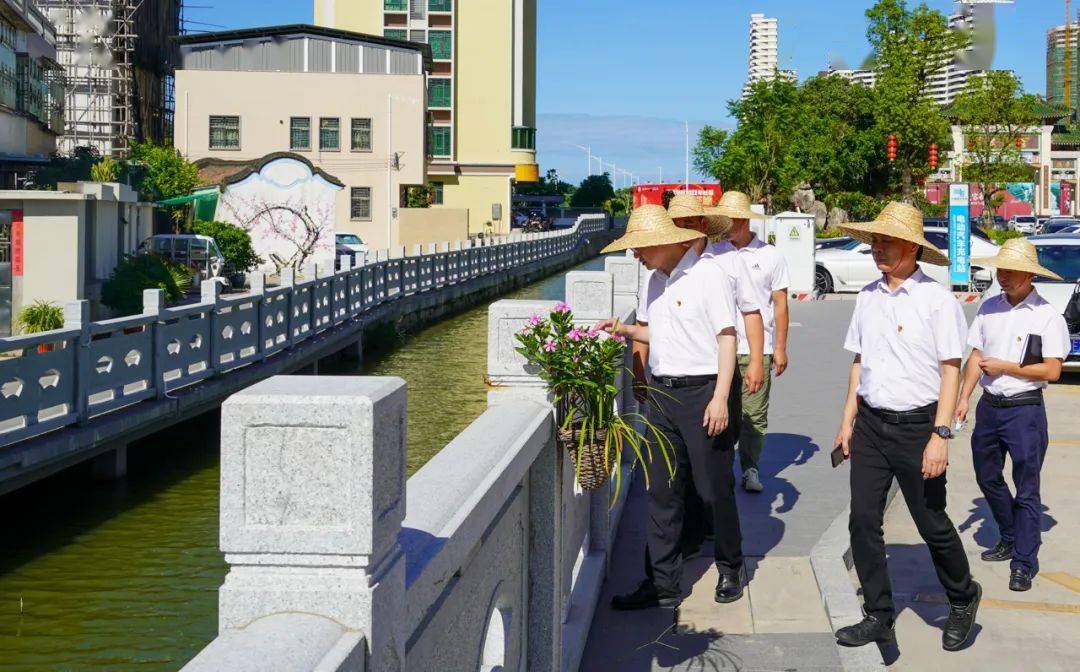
x,y
160,172
593,191
60,168
994,114
418,197
105,170
910,46
234,242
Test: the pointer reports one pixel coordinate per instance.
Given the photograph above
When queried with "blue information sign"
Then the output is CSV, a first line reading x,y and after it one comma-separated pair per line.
x,y
959,235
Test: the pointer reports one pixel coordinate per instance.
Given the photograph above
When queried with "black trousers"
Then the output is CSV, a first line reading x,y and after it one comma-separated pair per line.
x,y
706,462
882,451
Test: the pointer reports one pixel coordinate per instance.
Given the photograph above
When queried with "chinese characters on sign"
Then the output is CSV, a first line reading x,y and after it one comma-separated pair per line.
x,y
17,243
959,235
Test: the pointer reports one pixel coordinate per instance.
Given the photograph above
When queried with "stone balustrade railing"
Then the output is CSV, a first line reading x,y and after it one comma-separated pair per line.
x,y
487,558
87,369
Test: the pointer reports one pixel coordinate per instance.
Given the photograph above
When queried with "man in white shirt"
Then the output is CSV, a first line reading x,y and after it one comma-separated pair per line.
x,y
1019,342
768,276
907,335
692,341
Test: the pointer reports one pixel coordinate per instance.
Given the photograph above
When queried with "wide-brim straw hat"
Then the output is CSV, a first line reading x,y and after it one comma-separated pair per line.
x,y
1017,254
736,205
898,220
685,205
649,226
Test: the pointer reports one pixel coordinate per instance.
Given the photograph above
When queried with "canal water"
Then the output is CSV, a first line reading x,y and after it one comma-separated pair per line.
x,y
124,575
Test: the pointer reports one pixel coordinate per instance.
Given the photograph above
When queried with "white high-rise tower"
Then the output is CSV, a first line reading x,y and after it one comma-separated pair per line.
x,y
764,52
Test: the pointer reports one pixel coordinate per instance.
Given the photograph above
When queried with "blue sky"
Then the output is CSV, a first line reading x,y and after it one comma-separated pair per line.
x,y
621,76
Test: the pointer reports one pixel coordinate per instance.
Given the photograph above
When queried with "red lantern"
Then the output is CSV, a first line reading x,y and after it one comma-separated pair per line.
x,y
933,156
890,147
1019,142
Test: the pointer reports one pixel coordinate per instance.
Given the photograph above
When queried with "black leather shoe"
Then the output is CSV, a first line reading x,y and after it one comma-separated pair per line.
x,y
961,620
1020,580
870,629
998,553
644,597
730,587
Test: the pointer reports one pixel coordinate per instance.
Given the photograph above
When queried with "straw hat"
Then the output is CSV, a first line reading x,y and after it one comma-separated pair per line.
x,y
649,226
1017,254
736,205
685,205
898,220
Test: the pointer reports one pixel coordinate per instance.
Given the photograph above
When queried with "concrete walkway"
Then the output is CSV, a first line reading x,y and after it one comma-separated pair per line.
x,y
1035,630
782,624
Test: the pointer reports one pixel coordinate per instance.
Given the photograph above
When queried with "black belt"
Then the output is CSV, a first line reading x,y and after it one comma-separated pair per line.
x,y
683,381
924,415
1031,398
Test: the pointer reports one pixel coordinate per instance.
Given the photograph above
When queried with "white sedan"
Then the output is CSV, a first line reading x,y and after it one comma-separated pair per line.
x,y
851,267
1060,253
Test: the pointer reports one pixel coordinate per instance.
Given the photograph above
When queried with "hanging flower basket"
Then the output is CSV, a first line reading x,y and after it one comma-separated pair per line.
x,y
580,367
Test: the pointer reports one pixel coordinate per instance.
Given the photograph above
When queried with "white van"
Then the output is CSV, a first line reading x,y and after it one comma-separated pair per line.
x,y
199,253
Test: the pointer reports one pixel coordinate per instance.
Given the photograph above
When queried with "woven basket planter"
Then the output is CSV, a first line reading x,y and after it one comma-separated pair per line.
x,y
592,470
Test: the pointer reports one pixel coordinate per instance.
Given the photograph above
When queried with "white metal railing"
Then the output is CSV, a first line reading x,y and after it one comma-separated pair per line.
x,y
87,369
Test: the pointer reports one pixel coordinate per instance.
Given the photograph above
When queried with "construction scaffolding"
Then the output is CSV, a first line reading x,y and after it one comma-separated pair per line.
x,y
118,58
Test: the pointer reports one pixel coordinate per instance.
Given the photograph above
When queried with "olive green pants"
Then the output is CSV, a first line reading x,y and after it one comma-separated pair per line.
x,y
755,416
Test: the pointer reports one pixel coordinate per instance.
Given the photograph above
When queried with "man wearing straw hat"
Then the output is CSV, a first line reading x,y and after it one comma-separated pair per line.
x,y
907,334
692,342
1019,342
769,277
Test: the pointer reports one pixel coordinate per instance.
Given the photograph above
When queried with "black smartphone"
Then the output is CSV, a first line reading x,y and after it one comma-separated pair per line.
x,y
838,456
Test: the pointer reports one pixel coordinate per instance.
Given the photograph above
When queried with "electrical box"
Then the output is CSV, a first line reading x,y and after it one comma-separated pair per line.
x,y
795,240
496,212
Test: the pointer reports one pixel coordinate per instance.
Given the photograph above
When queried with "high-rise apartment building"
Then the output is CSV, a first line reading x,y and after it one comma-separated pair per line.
x,y
1055,66
481,93
764,54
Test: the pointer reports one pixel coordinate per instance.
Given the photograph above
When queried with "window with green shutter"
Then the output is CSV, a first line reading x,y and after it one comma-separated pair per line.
x,y
300,134
440,5
440,42
439,140
523,137
396,5
329,135
361,135
395,34
439,93
224,132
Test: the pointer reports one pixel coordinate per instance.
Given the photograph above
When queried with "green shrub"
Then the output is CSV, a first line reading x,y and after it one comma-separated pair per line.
x,y
105,170
123,290
860,207
999,237
40,316
823,234
235,244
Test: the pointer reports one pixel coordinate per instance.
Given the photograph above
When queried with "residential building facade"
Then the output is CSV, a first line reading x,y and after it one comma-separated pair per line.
x,y
1055,66
31,91
337,112
764,53
481,108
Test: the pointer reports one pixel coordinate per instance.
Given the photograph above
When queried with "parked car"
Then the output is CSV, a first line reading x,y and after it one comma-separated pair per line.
x,y
851,267
1025,224
832,243
199,253
349,245
1056,224
1072,228
1060,253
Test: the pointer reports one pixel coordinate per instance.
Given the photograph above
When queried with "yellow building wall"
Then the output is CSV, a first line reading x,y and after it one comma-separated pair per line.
x,y
361,16
477,193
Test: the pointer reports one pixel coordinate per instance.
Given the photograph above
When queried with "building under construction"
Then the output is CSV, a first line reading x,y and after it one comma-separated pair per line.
x,y
119,58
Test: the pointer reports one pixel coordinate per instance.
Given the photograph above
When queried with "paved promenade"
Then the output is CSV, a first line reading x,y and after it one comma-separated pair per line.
x,y
782,625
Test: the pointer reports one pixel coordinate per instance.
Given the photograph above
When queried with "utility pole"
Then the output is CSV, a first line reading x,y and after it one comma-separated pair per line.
x,y
588,157
687,174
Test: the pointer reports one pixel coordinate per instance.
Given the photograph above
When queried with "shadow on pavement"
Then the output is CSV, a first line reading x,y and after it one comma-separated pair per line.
x,y
986,532
762,528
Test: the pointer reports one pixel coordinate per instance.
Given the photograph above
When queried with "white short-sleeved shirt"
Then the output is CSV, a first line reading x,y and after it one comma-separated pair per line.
x,y
768,273
1001,331
903,337
685,313
747,298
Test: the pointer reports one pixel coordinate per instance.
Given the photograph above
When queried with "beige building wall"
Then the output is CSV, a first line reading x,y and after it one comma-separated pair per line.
x,y
494,90
423,226
266,102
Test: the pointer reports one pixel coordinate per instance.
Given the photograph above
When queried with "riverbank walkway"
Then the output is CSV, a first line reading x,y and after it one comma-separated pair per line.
x,y
795,539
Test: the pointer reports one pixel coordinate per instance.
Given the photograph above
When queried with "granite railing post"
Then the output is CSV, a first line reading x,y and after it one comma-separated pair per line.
x,y
627,280
77,316
312,500
287,278
209,291
153,302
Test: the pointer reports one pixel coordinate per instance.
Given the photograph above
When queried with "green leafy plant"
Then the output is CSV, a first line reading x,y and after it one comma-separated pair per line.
x,y
123,290
580,367
1000,236
235,244
40,316
159,172
105,170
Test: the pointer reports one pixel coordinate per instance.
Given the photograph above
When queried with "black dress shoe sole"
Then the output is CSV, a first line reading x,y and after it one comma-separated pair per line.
x,y
974,614
665,603
888,638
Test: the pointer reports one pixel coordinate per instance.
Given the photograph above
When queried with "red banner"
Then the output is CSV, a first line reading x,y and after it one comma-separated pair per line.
x,y
654,193
17,243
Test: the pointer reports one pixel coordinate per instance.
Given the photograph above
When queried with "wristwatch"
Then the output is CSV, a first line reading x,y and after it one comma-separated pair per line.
x,y
944,432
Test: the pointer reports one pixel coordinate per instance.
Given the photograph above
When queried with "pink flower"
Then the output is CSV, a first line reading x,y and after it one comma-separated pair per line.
x,y
549,345
575,335
535,320
619,338
592,333
561,307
